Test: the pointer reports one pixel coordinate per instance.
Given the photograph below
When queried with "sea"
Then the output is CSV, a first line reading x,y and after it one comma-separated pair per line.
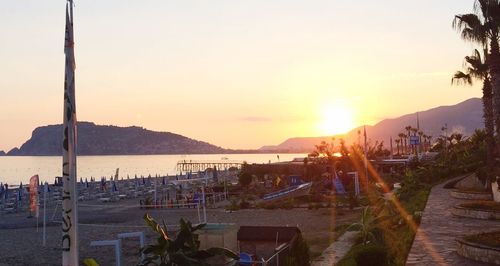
x,y
17,169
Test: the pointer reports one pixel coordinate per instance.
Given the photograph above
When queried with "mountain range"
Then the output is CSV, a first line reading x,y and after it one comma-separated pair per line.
x,y
94,139
463,118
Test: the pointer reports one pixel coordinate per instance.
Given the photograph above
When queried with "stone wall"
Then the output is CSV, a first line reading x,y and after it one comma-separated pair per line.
x,y
470,195
477,214
478,252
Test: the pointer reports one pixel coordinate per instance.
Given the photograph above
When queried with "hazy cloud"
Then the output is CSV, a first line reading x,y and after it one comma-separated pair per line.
x,y
255,119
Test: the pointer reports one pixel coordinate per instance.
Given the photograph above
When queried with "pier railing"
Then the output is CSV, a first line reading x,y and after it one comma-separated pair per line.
x,y
202,165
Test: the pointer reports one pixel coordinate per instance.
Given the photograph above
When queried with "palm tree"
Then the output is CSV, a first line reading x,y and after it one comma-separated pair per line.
x,y
401,137
483,28
408,129
397,143
476,68
424,137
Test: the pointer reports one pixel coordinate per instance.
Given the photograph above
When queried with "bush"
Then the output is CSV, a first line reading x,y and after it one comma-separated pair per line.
x,y
245,179
371,255
244,204
234,206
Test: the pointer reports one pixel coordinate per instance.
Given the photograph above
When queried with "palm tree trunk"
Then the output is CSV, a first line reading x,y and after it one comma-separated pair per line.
x,y
489,125
494,65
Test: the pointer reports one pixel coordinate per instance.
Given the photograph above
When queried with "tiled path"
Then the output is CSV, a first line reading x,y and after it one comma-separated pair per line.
x,y
434,242
336,250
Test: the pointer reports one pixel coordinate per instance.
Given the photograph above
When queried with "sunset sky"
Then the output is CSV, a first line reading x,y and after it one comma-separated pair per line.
x,y
237,74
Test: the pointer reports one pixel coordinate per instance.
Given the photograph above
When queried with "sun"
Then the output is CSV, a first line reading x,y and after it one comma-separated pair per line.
x,y
336,119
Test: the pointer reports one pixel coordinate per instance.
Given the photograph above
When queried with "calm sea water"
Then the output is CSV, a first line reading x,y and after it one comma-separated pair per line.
x,y
15,169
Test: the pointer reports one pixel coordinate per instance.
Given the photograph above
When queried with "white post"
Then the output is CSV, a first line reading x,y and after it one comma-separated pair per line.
x,y
204,205
44,241
135,234
155,193
118,248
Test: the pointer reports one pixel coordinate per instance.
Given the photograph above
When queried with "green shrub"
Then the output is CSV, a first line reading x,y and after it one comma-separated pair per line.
x,y
244,179
371,255
244,204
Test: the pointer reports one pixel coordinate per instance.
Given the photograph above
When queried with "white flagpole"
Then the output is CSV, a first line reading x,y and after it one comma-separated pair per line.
x,y
69,206
44,213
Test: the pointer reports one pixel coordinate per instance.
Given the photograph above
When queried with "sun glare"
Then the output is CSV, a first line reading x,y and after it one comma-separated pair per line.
x,y
336,119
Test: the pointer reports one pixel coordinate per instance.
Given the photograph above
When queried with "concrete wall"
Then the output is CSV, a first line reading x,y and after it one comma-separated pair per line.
x,y
477,214
478,252
470,195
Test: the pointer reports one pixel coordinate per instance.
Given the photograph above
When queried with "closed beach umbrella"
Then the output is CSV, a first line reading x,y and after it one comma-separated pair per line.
x,y
215,174
163,182
19,192
6,190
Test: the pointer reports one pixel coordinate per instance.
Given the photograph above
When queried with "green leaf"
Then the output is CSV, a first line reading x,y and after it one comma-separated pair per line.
x,y
90,262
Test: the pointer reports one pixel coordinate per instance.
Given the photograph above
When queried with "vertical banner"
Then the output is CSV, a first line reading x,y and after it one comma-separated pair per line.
x,y
69,207
34,194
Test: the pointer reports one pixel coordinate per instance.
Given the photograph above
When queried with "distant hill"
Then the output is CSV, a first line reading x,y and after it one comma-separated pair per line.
x,y
463,118
112,140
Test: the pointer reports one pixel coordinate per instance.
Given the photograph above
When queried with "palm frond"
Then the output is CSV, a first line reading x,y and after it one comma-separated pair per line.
x,y
461,78
470,27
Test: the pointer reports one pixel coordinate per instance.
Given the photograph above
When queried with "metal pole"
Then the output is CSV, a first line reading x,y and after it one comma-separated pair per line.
x,y
198,209
139,234
118,248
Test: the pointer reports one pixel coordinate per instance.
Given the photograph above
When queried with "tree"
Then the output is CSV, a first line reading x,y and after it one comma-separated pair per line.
x,y
408,129
483,28
402,137
397,144
184,249
476,68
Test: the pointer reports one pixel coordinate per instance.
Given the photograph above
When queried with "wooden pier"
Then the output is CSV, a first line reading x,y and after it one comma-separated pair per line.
x,y
199,165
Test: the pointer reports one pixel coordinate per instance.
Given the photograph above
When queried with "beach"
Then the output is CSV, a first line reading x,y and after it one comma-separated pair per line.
x,y
22,245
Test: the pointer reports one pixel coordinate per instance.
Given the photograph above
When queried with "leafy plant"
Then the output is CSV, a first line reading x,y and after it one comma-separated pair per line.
x,y
368,225
184,249
90,262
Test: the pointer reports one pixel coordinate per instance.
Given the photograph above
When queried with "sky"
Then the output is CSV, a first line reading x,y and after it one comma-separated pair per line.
x,y
234,73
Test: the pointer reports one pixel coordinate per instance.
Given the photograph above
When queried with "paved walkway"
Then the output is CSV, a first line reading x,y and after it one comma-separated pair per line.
x,y
336,250
434,242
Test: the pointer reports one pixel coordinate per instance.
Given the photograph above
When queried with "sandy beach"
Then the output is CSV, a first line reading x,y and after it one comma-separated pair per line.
x,y
21,244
